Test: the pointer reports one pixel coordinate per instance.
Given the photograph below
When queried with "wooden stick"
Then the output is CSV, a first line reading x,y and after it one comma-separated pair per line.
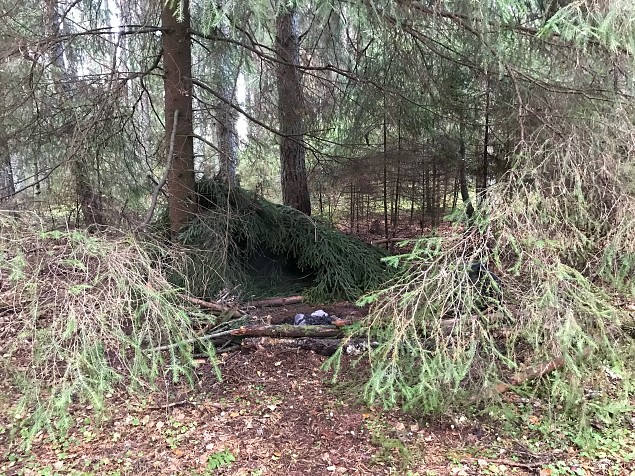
x,y
322,346
388,240
164,179
507,462
529,373
214,306
278,301
286,331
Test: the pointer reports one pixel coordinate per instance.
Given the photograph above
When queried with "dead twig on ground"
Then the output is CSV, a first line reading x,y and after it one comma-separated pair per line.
x,y
529,373
164,179
231,312
506,462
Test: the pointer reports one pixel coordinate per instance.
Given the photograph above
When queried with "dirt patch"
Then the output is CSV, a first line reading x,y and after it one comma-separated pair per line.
x,y
275,413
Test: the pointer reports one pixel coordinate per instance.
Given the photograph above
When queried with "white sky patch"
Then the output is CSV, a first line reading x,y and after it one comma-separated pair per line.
x,y
242,127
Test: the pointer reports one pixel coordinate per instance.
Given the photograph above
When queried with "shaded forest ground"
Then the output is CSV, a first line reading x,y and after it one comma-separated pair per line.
x,y
277,412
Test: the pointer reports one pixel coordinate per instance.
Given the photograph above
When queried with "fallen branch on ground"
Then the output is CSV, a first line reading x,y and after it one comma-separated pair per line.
x,y
287,331
231,312
262,331
320,346
388,240
507,462
278,301
529,373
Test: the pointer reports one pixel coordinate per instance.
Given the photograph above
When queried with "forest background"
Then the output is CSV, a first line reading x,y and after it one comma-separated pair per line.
x,y
153,150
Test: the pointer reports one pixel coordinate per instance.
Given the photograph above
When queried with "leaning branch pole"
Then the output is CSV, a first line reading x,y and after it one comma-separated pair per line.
x,y
164,179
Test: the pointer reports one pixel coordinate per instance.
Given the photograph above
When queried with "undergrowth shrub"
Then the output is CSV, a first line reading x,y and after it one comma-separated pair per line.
x,y
235,226
559,231
83,315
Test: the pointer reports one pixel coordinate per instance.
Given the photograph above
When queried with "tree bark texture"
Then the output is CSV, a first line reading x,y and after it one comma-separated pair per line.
x,y
177,83
227,136
465,193
7,183
481,190
295,191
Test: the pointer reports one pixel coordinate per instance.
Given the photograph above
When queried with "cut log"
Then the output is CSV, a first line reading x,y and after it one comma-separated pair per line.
x,y
320,346
276,302
286,331
388,240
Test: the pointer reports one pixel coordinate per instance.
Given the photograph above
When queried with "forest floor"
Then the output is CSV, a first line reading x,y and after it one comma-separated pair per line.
x,y
276,412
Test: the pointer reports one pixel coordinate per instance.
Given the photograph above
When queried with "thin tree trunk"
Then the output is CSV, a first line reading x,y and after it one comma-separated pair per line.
x,y
455,193
358,195
482,189
7,185
295,190
88,198
446,185
226,133
177,83
413,197
465,192
352,207
385,139
395,216
424,185
38,188
432,194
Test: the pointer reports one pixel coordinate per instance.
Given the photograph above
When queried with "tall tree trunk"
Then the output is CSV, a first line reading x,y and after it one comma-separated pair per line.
x,y
465,193
395,215
455,193
227,136
295,190
385,157
352,207
481,190
446,186
177,83
7,185
88,197
432,190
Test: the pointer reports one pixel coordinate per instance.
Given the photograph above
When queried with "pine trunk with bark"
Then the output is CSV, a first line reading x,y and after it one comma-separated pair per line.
x,y
7,186
463,185
227,136
295,190
177,83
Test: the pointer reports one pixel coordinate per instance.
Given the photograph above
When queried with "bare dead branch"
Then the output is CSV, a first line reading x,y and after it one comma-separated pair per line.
x,y
530,373
214,306
164,179
278,301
